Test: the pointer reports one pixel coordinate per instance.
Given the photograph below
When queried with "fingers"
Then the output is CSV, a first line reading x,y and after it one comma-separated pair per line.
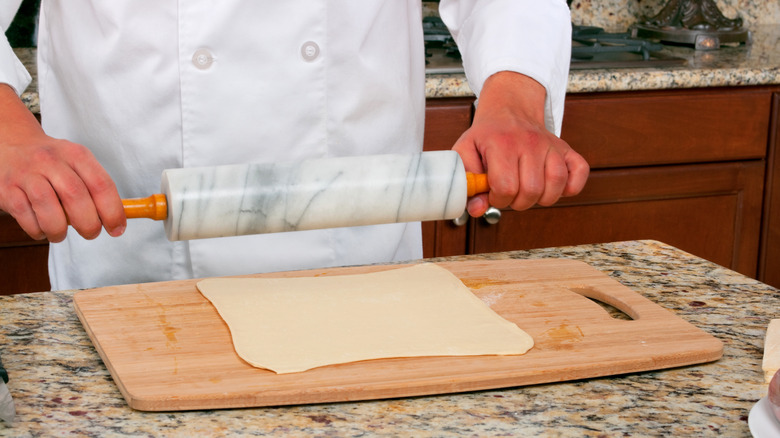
x,y
67,194
46,187
579,170
545,177
556,176
46,208
523,170
18,206
105,200
478,205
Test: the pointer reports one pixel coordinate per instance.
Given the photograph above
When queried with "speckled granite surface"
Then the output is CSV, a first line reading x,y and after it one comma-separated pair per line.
x,y
756,64
61,387
30,96
618,15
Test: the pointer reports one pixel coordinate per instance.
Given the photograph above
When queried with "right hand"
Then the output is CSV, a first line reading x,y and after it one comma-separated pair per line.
x,y
46,182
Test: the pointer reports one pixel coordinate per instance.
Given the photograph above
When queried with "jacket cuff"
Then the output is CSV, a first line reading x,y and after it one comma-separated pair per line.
x,y
524,36
12,71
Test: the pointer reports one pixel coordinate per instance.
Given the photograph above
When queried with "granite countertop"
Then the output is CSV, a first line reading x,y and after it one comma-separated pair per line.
x,y
61,386
754,64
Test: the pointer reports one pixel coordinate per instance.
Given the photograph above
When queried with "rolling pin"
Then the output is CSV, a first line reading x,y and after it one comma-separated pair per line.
x,y
234,200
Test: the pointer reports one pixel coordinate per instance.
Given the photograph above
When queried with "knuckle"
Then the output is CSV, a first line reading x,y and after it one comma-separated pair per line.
x,y
16,205
102,185
533,190
79,154
43,156
532,138
38,194
70,190
557,176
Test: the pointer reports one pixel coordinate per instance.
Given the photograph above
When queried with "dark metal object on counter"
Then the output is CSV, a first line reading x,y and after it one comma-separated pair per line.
x,y
437,36
695,22
592,47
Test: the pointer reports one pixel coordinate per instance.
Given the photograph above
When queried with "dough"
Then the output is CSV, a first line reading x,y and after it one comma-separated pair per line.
x,y
290,325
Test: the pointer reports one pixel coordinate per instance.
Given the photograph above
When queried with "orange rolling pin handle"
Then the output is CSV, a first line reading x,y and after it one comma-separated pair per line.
x,y
476,183
153,207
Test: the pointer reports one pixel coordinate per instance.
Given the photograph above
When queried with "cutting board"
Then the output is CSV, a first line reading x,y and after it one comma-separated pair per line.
x,y
168,349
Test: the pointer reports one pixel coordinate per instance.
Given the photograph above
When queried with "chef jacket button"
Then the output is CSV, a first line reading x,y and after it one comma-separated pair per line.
x,y
202,59
310,51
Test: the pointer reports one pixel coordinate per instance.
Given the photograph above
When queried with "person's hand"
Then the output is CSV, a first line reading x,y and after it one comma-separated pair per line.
x,y
525,163
46,182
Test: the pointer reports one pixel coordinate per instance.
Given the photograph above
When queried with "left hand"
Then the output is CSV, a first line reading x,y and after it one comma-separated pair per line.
x,y
525,163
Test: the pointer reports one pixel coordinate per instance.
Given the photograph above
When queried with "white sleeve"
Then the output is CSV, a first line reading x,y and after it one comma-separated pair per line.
x,y
12,71
532,37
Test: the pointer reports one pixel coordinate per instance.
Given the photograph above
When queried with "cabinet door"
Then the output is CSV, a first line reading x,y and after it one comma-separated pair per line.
x,y
445,121
23,266
710,210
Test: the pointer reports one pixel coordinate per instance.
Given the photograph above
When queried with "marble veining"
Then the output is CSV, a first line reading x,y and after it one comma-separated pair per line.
x,y
61,386
243,199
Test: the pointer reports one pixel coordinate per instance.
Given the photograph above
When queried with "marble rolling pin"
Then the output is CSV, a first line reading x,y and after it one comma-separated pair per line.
x,y
241,199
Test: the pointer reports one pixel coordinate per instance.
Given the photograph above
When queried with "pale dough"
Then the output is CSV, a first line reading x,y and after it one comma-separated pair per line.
x,y
290,325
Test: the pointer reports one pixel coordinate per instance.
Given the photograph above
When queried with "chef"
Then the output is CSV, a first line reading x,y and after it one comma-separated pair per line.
x,y
131,87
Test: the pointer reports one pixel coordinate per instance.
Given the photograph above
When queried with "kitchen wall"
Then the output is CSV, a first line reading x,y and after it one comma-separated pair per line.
x,y
618,15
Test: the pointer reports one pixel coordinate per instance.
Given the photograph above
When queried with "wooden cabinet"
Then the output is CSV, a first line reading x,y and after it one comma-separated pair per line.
x,y
709,209
686,167
769,258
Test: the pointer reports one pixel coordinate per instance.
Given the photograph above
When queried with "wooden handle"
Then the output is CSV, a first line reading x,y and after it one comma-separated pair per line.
x,y
476,183
153,207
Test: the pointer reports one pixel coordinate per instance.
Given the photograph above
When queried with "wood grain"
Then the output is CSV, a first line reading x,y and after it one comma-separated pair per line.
x,y
710,210
167,349
769,260
643,128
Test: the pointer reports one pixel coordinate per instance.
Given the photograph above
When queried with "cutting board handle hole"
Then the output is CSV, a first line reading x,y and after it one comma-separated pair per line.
x,y
613,306
613,311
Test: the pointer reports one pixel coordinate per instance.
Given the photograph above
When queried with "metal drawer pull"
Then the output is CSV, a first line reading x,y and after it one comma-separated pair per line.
x,y
492,215
462,220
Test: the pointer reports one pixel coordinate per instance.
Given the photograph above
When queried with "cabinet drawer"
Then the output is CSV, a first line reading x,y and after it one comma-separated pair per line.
x,y
711,210
445,121
670,127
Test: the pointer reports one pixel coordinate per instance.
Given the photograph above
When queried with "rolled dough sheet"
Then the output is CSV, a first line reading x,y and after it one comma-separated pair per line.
x,y
290,325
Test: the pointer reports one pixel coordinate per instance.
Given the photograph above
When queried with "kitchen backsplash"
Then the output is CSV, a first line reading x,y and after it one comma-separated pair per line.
x,y
618,15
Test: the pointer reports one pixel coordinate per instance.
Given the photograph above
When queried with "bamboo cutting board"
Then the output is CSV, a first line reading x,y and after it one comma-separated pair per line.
x,y
168,349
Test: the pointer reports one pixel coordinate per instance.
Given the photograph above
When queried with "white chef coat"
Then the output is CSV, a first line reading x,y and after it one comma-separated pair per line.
x,y
149,85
